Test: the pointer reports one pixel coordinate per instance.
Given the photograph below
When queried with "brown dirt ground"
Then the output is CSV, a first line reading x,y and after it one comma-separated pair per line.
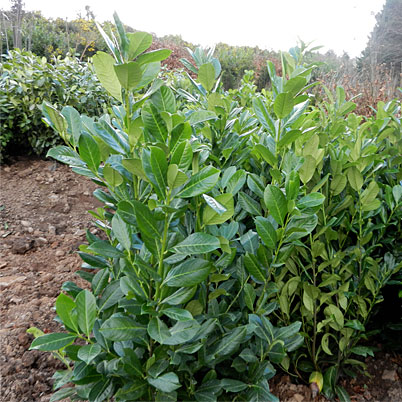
x,y
43,217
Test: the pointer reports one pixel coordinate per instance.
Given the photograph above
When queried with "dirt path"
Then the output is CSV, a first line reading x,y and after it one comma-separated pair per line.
x,y
43,217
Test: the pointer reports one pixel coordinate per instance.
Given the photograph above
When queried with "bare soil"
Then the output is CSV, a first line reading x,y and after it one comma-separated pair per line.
x,y
43,218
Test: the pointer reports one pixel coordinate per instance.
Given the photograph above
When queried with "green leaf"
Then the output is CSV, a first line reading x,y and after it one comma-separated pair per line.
x,y
295,85
168,382
200,183
86,311
254,267
53,341
182,155
338,183
289,137
180,296
153,56
249,296
54,118
89,151
262,115
88,352
132,391
307,170
73,119
159,169
175,177
276,203
249,204
266,154
121,231
105,249
355,178
230,343
128,74
188,273
164,100
236,182
66,155
206,76
139,43
178,314
362,351
104,68
64,308
197,243
112,176
62,394
370,193
154,122
201,116
211,216
230,385
146,221
283,104
397,193
158,330
311,200
121,329
342,394
266,231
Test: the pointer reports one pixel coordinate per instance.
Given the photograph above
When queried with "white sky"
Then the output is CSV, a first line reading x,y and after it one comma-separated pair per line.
x,y
341,25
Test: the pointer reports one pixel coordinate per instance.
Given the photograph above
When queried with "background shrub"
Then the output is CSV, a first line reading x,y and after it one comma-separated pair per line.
x,y
26,81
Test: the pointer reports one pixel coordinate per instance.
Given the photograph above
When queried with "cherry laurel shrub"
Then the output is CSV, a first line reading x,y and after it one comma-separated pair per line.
x,y
172,312
241,230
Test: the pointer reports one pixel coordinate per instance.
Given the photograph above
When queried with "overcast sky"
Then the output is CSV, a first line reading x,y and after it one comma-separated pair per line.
x,y
341,25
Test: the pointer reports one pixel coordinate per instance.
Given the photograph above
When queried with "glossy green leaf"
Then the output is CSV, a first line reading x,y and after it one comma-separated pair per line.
x,y
231,342
121,231
159,168
197,243
188,273
182,155
212,217
254,267
89,151
276,203
154,122
249,204
121,329
201,116
54,341
64,309
338,183
307,170
311,200
266,154
168,382
178,314
88,352
86,311
158,330
153,56
200,183
266,231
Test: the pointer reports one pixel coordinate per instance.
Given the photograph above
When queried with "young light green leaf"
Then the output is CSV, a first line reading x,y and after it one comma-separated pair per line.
x,y
307,170
206,76
128,74
112,176
283,104
104,68
355,178
139,43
